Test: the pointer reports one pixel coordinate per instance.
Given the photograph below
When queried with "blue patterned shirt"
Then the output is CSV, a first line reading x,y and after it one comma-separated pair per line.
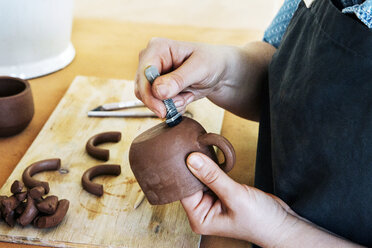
x,y
362,9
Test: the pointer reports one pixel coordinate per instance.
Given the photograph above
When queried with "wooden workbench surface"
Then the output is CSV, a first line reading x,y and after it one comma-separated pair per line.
x,y
109,49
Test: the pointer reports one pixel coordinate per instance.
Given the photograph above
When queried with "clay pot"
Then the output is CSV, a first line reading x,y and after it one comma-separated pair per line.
x,y
158,159
16,105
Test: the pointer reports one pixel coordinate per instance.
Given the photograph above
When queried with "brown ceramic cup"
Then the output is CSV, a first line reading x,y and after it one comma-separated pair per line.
x,y
16,105
158,159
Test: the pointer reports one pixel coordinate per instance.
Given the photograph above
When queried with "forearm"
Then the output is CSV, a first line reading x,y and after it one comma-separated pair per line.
x,y
297,232
246,73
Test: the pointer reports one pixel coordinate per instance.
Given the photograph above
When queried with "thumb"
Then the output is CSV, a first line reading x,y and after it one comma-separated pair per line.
x,y
171,84
209,173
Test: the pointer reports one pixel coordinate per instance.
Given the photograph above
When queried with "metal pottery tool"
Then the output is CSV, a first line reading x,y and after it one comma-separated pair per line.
x,y
173,117
106,110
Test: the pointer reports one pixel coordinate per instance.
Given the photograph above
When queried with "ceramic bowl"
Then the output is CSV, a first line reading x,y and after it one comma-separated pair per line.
x,y
16,105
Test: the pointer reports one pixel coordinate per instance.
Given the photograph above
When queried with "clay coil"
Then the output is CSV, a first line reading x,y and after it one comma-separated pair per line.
x,y
99,153
54,219
29,213
95,188
40,166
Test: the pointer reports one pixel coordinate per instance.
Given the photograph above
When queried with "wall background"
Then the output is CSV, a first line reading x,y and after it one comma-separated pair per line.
x,y
235,14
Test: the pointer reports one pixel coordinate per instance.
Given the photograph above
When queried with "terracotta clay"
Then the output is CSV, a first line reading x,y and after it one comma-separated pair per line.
x,y
10,219
29,213
99,153
54,219
36,192
106,169
21,196
17,187
158,159
40,166
16,105
21,207
13,208
2,197
8,205
48,205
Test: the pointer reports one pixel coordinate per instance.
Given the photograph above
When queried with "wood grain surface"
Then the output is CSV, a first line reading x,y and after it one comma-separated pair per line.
x,y
110,220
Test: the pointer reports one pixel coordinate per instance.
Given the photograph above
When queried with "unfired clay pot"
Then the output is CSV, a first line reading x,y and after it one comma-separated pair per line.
x,y
16,105
158,159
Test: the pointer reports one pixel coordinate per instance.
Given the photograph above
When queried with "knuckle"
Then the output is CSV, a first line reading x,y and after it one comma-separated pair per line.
x,y
179,80
155,40
146,99
247,193
210,176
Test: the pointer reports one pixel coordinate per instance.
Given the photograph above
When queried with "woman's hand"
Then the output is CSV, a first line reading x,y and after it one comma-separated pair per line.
x,y
246,213
239,211
189,71
229,76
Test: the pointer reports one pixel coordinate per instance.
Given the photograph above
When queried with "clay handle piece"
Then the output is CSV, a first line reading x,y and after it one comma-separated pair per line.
x,y
99,153
40,166
106,169
54,219
224,145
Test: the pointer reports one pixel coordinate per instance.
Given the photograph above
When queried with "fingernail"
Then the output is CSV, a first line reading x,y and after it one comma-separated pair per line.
x,y
157,113
178,103
195,162
162,90
189,99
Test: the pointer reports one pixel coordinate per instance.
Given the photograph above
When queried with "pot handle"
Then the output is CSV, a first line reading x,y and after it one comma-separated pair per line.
x,y
224,145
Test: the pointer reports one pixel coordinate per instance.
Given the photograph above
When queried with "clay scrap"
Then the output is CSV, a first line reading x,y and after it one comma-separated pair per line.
x,y
100,153
54,219
28,206
29,213
48,205
105,169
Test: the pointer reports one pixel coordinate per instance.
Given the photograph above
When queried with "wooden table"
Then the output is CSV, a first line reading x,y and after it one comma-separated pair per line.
x,y
109,49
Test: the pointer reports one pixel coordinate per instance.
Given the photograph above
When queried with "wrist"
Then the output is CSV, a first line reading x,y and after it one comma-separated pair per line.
x,y
286,232
278,232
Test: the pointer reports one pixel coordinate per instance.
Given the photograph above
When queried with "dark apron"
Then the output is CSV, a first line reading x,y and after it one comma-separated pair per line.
x,y
315,138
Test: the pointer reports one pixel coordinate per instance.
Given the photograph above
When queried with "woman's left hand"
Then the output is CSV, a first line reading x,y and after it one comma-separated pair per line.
x,y
239,211
247,213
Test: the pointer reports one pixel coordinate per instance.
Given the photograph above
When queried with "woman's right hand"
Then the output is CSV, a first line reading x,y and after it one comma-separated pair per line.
x,y
231,77
189,71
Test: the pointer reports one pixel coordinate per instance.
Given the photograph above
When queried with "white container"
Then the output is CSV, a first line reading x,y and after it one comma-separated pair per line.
x,y
35,37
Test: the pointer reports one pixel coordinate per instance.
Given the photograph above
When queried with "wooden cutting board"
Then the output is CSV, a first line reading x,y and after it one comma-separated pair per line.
x,y
110,220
